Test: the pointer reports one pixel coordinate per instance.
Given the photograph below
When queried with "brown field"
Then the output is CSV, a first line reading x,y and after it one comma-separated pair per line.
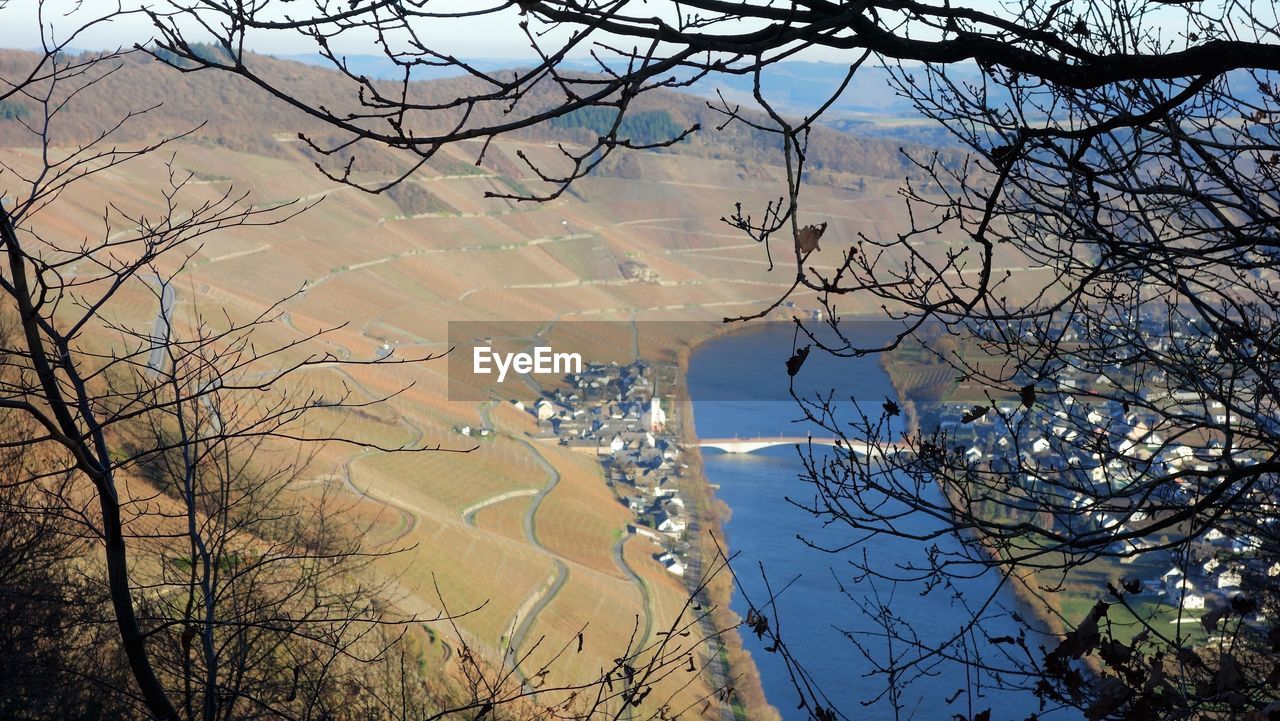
x,y
484,572
504,518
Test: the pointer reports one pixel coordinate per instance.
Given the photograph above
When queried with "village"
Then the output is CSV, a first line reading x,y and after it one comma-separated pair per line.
x,y
1075,449
615,412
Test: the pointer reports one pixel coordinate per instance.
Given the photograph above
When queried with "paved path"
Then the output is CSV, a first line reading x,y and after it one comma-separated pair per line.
x,y
530,523
469,513
535,605
542,596
646,600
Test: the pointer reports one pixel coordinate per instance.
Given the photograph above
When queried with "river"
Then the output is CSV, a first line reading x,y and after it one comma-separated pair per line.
x,y
737,383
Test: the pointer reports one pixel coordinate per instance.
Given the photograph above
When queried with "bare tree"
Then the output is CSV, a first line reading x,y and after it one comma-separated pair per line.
x,y
56,647
166,511
165,424
1123,157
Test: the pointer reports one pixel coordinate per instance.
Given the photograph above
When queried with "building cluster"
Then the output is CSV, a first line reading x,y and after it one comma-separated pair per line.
x,y
614,411
1216,564
1084,457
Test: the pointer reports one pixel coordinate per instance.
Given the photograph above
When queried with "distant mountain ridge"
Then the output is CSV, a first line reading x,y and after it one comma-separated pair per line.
x,y
793,85
232,112
869,106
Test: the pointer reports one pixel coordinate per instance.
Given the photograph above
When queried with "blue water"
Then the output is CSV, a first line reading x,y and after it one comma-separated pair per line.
x,y
812,612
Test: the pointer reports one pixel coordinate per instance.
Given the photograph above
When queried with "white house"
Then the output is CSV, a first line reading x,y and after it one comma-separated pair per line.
x,y
672,524
544,409
1192,601
1181,592
1229,578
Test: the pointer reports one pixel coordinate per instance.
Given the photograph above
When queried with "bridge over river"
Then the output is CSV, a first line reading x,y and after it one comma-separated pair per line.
x,y
747,445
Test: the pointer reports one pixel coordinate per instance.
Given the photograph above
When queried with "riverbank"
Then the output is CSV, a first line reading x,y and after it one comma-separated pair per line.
x,y
826,605
748,698
614,412
1046,619
751,700
759,390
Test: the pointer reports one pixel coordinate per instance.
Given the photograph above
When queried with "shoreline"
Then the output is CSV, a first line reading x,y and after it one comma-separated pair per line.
x,y
712,513
1019,585
715,513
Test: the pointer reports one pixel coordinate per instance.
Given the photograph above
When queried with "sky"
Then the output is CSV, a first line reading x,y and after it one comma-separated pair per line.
x,y
489,36
494,35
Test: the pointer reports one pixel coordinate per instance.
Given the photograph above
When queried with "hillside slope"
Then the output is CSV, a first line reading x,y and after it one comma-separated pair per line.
x,y
235,113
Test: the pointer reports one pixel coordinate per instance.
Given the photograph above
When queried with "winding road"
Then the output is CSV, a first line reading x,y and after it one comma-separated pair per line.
x,y
542,597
